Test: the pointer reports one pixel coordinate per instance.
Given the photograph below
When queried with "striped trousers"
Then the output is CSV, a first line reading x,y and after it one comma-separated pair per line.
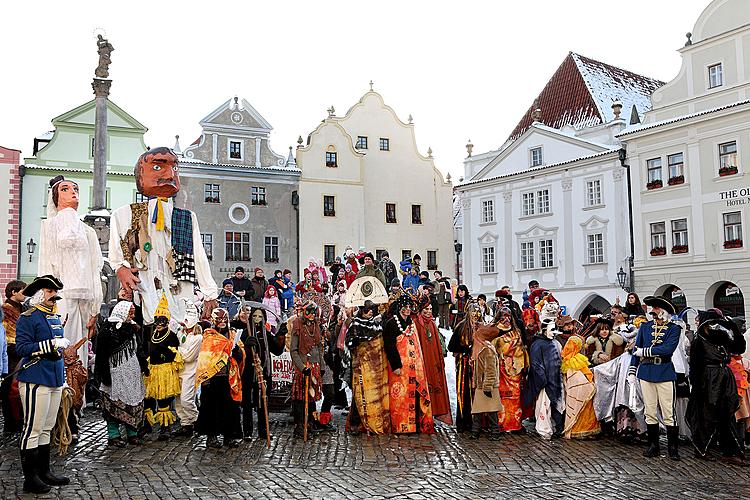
x,y
40,404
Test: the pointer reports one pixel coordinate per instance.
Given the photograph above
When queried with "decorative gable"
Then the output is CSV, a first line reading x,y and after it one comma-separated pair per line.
x,y
536,231
594,223
488,238
236,114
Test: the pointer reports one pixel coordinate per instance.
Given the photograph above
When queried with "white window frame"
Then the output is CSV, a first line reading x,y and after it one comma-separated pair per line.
x,y
595,248
681,171
594,187
546,253
528,204
208,244
258,196
268,244
737,228
488,259
715,82
546,208
649,169
662,235
532,155
211,189
230,140
526,255
736,154
488,210
675,233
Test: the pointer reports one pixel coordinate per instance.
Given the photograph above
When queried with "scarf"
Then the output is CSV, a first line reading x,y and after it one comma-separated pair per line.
x,y
119,314
158,216
572,359
215,354
483,336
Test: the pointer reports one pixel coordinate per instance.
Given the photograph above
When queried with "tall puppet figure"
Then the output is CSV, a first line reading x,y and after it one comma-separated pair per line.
x,y
156,247
70,251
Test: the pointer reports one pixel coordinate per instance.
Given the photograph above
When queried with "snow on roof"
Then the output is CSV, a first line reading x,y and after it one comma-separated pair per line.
x,y
537,169
47,136
581,92
637,128
197,163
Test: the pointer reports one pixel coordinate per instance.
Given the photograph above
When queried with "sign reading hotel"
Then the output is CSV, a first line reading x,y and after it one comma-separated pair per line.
x,y
736,197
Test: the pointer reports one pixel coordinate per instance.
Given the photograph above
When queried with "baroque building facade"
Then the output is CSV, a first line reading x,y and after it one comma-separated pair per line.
x,y
365,184
243,192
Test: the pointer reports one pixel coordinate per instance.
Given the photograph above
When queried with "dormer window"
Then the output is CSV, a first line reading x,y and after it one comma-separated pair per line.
x,y
535,156
234,150
715,76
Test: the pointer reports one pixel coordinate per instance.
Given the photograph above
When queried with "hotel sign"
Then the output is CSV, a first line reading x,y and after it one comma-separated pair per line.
x,y
735,197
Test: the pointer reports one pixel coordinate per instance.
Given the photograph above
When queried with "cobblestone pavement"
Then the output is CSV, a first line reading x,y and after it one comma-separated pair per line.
x,y
336,465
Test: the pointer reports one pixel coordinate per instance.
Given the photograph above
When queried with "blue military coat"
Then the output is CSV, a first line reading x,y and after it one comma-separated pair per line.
x,y
34,333
658,344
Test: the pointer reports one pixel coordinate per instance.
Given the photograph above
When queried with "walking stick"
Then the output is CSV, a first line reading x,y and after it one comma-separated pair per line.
x,y
307,397
263,395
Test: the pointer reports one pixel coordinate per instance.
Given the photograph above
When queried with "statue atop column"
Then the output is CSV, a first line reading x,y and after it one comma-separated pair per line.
x,y
104,48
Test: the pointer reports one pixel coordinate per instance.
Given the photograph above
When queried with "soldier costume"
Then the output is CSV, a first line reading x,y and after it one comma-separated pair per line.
x,y
40,340
652,365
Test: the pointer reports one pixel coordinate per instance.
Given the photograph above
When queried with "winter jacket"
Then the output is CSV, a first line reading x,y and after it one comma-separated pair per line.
x,y
258,289
34,333
229,302
411,281
389,271
273,304
486,377
241,285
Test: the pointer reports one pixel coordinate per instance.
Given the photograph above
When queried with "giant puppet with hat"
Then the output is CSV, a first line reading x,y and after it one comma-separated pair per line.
x,y
154,247
69,250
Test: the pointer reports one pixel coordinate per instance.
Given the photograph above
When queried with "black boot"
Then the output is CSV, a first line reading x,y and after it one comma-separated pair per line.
x,y
673,439
653,441
31,482
45,474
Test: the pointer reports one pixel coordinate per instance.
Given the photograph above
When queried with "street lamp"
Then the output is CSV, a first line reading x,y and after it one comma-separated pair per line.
x,y
622,279
30,247
457,247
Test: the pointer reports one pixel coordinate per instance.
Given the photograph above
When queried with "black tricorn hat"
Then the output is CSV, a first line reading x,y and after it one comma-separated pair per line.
x,y
46,281
719,322
660,302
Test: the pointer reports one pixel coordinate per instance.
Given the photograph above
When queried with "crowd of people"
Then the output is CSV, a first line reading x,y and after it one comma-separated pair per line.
x,y
519,367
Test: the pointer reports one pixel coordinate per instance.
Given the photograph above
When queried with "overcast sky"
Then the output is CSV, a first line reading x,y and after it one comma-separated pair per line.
x,y
463,69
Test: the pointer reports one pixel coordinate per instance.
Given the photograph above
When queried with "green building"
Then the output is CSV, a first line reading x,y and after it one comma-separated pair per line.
x,y
68,150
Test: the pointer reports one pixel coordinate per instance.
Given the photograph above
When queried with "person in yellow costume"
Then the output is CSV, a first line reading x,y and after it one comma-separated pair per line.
x,y
580,418
164,363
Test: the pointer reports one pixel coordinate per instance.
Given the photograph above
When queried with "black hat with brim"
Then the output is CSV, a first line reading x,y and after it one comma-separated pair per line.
x,y
723,322
660,302
605,321
46,281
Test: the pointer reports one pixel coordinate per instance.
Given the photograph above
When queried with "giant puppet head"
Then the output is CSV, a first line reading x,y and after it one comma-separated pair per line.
x,y
63,194
156,173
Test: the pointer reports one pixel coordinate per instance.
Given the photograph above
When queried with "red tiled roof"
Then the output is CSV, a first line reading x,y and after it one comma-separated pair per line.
x,y
581,92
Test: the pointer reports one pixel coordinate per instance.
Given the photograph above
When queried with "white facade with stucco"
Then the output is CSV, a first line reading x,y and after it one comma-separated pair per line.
x,y
363,180
703,117
565,218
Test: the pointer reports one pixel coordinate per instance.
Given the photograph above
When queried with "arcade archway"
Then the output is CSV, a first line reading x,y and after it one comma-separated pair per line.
x,y
675,295
727,297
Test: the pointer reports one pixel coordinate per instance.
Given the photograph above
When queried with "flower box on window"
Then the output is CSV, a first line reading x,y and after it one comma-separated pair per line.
x,y
432,267
680,249
733,244
658,251
680,179
654,184
271,260
730,170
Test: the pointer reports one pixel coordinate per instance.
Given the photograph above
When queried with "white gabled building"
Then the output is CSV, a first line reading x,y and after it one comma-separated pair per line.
x,y
364,183
690,161
551,204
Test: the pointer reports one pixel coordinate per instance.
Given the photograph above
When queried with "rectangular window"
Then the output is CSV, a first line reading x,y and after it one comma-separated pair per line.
x,y
728,157
432,260
658,236
527,255
379,254
331,160
416,214
675,165
211,193
595,243
405,254
235,150
237,246
257,195
535,157
329,207
527,204
546,255
329,254
733,229
488,259
715,76
361,142
385,144
140,198
542,201
390,213
488,211
271,248
593,192
208,244
654,169
679,233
